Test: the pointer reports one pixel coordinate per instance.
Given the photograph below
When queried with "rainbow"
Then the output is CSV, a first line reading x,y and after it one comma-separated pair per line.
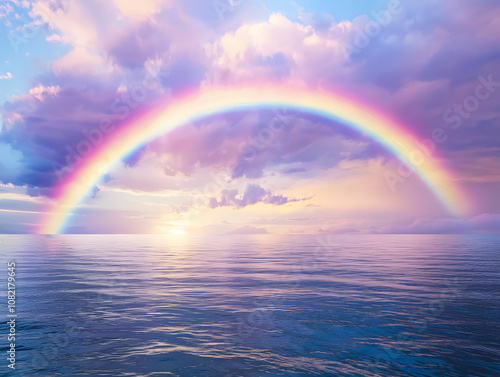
x,y
210,101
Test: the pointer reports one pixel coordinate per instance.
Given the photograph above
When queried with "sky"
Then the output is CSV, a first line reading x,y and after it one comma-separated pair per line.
x,y
431,65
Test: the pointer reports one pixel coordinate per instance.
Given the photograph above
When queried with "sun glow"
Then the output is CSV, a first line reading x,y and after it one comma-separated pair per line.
x,y
175,228
178,231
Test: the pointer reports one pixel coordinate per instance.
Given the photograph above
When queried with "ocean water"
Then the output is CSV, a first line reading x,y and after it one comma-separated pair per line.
x,y
263,305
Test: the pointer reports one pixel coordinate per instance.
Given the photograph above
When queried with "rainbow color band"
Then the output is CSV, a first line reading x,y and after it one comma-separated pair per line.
x,y
211,101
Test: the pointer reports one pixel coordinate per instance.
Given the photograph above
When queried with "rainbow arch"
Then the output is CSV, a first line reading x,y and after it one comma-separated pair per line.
x,y
211,101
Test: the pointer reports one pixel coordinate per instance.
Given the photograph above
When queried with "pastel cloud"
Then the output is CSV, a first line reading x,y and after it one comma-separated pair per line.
x,y
5,10
6,76
40,92
484,223
253,194
275,49
294,52
417,68
142,9
233,143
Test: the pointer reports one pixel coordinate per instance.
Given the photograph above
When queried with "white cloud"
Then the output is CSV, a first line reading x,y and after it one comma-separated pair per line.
x,y
40,91
7,76
54,38
261,48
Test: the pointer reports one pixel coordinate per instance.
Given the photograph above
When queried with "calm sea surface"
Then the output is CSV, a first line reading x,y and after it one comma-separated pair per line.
x,y
254,305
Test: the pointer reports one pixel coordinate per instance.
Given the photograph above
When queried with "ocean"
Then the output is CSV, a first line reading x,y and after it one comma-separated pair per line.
x,y
252,305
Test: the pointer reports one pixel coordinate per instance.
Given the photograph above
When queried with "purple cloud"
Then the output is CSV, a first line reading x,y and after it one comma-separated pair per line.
x,y
487,223
253,194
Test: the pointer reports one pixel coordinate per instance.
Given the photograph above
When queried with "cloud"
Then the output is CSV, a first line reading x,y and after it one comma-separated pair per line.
x,y
340,230
234,143
81,88
142,10
248,229
405,70
484,223
46,124
487,223
421,64
40,91
6,76
104,58
83,62
5,10
254,194
277,48
431,226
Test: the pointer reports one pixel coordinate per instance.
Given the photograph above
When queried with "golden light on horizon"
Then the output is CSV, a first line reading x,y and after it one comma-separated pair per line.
x,y
175,227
